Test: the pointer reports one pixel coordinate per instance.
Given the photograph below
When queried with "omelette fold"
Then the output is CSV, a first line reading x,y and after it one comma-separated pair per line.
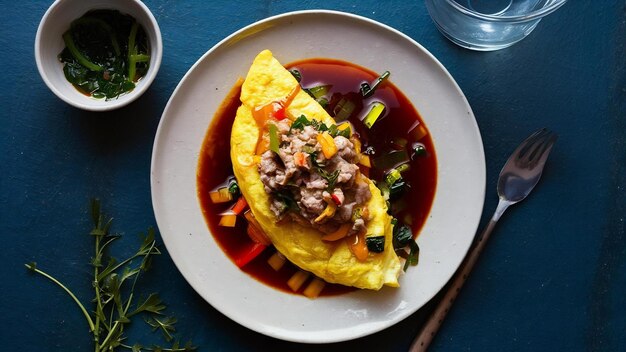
x,y
268,81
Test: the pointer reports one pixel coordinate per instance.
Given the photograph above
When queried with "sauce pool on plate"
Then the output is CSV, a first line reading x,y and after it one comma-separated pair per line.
x,y
397,140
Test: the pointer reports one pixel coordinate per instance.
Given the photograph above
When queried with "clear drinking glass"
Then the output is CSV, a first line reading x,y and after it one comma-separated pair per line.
x,y
489,24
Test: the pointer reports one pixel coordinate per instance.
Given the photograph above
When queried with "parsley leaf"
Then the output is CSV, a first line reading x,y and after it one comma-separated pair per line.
x,y
331,177
299,123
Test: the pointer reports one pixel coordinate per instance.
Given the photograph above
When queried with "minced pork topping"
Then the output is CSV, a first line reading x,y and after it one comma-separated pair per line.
x,y
303,183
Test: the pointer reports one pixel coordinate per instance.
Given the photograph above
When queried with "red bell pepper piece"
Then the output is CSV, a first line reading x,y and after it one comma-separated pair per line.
x,y
240,205
249,254
280,114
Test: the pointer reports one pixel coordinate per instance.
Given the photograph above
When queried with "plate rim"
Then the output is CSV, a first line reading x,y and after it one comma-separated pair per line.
x,y
231,39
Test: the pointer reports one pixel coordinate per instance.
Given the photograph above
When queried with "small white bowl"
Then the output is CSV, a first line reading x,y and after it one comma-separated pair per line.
x,y
49,43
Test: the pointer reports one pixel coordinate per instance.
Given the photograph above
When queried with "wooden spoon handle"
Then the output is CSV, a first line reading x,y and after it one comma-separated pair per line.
x,y
425,337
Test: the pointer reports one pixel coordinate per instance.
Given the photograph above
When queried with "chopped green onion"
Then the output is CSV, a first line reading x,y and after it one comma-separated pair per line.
x,y
375,244
376,110
393,176
344,109
273,130
299,123
367,90
346,132
318,125
356,214
332,130
308,149
403,168
319,91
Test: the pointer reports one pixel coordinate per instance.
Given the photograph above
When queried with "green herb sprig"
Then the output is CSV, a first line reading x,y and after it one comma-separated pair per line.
x,y
115,300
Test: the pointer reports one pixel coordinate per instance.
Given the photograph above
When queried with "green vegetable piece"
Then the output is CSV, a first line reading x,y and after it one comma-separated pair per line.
x,y
375,244
318,125
346,132
403,168
97,58
274,141
299,123
402,234
71,46
376,111
233,188
367,90
319,91
332,130
344,109
393,176
309,149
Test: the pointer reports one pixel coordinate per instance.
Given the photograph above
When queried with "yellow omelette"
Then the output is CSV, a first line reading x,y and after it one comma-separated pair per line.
x,y
268,81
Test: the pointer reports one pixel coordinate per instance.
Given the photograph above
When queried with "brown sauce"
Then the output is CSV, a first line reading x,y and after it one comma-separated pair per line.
x,y
215,166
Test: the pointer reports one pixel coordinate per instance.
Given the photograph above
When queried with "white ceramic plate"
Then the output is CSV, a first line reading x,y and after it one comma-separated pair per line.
x,y
445,237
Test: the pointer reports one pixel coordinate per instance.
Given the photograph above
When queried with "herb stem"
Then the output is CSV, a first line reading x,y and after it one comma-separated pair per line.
x,y
80,305
110,334
115,268
96,286
180,349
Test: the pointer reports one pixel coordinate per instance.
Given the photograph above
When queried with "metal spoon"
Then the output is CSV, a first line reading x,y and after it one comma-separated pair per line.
x,y
518,177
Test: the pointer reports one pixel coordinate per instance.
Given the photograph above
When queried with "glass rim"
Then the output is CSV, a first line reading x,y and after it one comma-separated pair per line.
x,y
537,14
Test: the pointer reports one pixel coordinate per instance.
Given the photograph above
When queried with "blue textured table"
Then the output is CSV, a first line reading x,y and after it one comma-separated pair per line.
x,y
553,277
